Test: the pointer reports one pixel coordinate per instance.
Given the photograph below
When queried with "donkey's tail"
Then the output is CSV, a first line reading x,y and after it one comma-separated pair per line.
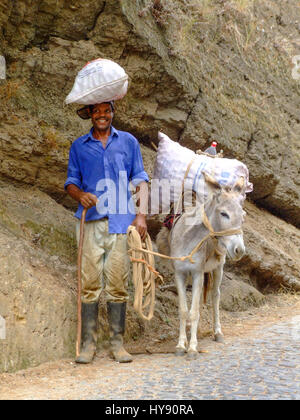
x,y
206,285
163,245
162,241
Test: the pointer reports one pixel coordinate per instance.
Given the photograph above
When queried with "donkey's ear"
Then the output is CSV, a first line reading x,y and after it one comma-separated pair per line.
x,y
212,182
239,185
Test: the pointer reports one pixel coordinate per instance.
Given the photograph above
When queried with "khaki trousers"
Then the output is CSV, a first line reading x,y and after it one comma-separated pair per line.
x,y
105,263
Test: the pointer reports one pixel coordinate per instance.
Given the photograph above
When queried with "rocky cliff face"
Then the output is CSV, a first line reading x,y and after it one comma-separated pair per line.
x,y
199,71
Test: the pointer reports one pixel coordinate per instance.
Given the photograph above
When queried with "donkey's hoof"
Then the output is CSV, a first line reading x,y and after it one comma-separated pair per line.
x,y
219,338
179,352
192,355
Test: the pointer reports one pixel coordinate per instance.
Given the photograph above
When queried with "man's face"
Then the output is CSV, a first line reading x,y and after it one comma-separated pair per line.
x,y
102,116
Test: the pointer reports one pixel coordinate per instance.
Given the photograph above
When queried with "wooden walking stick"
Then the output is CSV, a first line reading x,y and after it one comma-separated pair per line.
x,y
79,263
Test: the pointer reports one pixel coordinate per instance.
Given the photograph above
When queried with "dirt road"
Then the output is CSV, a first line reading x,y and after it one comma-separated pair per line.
x,y
262,362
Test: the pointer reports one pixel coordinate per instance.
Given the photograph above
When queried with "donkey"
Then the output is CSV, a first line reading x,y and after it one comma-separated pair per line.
x,y
223,213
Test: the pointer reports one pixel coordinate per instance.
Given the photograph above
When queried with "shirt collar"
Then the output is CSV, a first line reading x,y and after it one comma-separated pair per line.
x,y
89,136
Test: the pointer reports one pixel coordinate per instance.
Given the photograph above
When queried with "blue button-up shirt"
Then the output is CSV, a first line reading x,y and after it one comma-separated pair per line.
x,y
106,172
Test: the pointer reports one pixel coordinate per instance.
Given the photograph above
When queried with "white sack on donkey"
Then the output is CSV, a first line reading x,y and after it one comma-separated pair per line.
x,y
171,164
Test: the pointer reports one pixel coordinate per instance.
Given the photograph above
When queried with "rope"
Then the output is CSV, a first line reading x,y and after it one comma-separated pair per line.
x,y
135,245
212,234
144,273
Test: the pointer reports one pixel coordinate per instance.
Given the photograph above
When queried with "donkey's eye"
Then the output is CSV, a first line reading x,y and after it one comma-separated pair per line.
x,y
223,214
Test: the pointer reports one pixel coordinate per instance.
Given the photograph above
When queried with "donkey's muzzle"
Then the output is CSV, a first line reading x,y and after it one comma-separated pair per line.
x,y
236,248
238,252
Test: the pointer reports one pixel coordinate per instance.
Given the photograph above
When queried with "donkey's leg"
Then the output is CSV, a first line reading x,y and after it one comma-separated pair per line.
x,y
183,312
194,312
217,279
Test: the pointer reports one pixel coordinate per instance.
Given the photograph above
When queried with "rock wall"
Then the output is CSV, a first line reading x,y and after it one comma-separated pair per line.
x,y
38,281
200,72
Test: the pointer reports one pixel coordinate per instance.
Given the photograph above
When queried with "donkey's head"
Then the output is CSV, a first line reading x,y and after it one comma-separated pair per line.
x,y
225,213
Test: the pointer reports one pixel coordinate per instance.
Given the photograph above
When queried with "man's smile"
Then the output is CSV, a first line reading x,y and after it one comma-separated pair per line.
x,y
102,115
102,121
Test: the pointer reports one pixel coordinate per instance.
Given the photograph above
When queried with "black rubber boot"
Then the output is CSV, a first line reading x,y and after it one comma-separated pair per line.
x,y
116,313
89,314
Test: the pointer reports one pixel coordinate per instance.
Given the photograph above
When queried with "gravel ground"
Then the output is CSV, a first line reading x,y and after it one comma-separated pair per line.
x,y
266,365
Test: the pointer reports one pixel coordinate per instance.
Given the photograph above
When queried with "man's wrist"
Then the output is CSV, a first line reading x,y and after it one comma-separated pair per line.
x,y
75,192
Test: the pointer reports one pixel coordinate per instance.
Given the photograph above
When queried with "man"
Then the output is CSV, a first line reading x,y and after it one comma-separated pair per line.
x,y
101,164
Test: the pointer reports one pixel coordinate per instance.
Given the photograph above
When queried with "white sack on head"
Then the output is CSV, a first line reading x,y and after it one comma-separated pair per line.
x,y
171,164
99,81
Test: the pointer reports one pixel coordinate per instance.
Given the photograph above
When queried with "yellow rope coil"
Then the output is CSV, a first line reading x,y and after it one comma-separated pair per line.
x,y
144,273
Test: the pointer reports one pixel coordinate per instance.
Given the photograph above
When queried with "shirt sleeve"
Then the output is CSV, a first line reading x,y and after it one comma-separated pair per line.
x,y
138,173
74,174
